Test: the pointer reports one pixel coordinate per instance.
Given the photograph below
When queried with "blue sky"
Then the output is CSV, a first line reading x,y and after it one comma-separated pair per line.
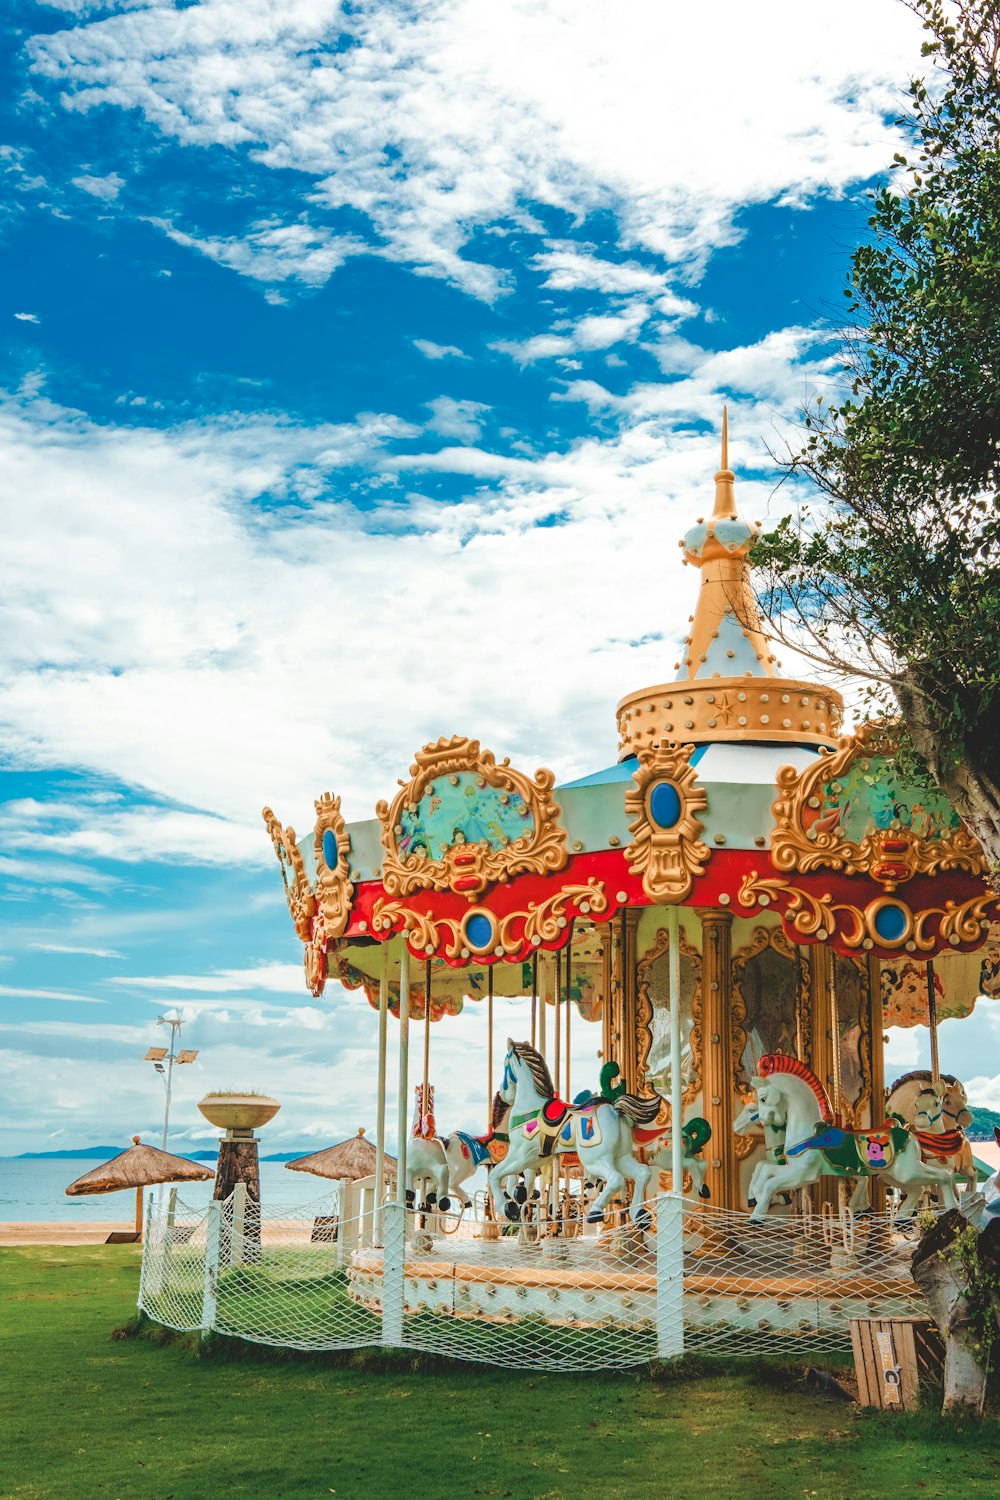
x,y
361,366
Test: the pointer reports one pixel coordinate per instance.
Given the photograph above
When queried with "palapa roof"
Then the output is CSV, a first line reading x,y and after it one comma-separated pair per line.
x,y
139,1166
353,1158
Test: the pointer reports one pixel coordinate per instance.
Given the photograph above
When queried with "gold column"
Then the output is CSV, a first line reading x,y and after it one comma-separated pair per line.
x,y
607,983
716,1054
628,1056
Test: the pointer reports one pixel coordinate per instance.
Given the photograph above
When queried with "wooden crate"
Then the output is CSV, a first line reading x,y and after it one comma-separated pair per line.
x,y
893,1357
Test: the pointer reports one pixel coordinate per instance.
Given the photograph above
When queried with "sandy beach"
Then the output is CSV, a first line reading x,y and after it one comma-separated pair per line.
x,y
93,1233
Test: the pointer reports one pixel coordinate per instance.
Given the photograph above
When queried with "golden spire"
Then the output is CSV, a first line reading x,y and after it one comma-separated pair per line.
x,y
726,686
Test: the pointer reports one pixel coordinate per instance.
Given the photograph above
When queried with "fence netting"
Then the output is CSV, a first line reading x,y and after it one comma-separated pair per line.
x,y
556,1295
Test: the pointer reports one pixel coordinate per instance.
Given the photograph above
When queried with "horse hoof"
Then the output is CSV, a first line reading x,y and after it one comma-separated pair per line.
x,y
411,1197
431,1200
751,1203
595,1217
444,1205
643,1218
703,1191
512,1212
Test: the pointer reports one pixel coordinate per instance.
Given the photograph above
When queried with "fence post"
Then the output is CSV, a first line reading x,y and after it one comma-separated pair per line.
x,y
393,1256
669,1276
210,1295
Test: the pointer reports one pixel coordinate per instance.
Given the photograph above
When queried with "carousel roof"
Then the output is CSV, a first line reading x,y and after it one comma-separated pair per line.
x,y
733,789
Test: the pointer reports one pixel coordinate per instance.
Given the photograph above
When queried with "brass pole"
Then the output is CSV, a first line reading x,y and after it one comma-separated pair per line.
x,y
569,1007
558,1023
932,1022
835,1033
425,1102
534,997
541,1014
489,1042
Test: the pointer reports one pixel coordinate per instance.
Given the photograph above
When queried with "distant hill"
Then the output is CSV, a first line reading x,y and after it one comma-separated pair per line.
x,y
983,1121
102,1153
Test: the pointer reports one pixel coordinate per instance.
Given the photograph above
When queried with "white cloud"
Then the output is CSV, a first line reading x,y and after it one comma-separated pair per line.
x,y
106,188
456,419
596,332
23,317
28,992
279,635
76,948
430,350
278,977
452,115
272,251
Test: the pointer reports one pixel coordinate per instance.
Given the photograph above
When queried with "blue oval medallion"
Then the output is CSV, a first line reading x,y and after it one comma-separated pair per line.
x,y
330,848
479,931
890,923
665,804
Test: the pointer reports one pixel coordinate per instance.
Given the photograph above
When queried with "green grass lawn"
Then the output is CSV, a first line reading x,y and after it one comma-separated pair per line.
x,y
86,1414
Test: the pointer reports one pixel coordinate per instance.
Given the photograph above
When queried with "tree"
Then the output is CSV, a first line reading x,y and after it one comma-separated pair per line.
x,y
896,578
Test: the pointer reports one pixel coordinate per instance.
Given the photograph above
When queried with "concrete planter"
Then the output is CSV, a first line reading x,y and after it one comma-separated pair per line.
x,y
238,1111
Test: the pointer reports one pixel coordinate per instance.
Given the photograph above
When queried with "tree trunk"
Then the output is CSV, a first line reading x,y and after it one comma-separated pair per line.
x,y
944,1281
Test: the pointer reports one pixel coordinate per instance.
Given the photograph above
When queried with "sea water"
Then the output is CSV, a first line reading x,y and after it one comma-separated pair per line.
x,y
35,1191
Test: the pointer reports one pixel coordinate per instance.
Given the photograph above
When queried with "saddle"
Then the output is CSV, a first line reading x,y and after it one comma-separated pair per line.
x,y
855,1153
559,1126
942,1145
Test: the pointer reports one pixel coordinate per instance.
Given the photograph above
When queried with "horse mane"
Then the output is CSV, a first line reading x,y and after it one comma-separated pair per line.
x,y
778,1062
919,1075
500,1108
537,1067
638,1109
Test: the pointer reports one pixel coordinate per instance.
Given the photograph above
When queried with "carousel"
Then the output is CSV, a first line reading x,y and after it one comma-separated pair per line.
x,y
738,906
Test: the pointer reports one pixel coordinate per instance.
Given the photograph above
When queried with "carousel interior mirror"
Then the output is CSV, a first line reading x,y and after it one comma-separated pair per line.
x,y
770,981
851,988
653,991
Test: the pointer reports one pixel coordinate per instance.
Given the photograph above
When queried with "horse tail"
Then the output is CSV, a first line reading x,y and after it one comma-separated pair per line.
x,y
637,1109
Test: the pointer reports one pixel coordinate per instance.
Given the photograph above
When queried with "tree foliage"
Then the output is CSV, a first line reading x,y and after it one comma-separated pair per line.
x,y
895,575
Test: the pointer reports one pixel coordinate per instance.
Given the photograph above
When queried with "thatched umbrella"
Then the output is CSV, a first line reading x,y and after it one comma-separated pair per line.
x,y
353,1159
138,1167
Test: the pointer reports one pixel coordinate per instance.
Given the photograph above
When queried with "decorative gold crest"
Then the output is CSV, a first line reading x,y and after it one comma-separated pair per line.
x,y
899,831
886,922
463,822
298,892
663,804
334,890
542,922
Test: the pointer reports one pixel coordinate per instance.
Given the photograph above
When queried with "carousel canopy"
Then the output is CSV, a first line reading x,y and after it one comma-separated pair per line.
x,y
733,790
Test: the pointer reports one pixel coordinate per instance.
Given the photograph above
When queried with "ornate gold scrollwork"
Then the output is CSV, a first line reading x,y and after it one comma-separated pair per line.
x,y
334,890
468,865
644,1008
540,922
299,893
819,917
663,804
806,838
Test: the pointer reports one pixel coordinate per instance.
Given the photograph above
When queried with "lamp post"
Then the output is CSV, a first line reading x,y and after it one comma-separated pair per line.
x,y
157,1056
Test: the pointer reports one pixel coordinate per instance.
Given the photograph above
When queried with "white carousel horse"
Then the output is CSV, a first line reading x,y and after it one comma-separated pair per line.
x,y
598,1132
939,1121
438,1165
790,1095
748,1122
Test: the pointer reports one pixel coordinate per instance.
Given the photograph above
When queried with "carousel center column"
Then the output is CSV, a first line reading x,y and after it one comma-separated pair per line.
x,y
717,1066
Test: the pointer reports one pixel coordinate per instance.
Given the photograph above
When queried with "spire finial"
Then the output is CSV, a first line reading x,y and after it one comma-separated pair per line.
x,y
725,439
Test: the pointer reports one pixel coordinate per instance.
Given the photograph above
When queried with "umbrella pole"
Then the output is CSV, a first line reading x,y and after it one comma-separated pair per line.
x,y
138,1212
